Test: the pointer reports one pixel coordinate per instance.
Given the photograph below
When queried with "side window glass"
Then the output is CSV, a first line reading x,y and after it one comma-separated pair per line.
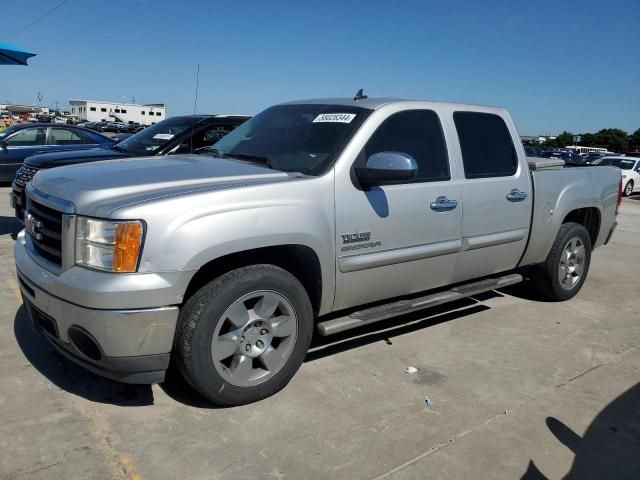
x,y
62,136
419,134
28,137
486,144
209,136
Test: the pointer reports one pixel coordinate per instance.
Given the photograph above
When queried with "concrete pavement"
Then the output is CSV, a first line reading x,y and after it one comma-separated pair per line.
x,y
520,388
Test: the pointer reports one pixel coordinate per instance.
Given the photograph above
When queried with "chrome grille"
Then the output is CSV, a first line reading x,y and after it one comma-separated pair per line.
x,y
25,174
44,226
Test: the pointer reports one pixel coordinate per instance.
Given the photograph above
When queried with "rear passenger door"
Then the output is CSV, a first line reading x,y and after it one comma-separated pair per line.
x,y
68,139
497,197
396,239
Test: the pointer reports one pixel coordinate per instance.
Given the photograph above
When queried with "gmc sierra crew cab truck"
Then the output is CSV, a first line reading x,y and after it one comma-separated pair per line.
x,y
317,215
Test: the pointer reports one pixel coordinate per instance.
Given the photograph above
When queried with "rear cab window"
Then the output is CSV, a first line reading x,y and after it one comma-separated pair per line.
x,y
486,145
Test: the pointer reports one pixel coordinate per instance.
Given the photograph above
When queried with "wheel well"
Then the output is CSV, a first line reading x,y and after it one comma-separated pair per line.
x,y
589,218
299,260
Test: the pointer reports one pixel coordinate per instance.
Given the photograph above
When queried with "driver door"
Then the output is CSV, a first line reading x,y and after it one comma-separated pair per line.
x,y
393,240
20,145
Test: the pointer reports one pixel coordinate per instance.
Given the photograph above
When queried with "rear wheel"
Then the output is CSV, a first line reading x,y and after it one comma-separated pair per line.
x,y
564,271
628,189
243,336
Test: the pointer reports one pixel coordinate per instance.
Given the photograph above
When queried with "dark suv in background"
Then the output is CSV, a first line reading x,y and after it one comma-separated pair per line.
x,y
182,134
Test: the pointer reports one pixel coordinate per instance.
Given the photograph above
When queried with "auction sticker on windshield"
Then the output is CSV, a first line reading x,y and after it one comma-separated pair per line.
x,y
334,118
163,136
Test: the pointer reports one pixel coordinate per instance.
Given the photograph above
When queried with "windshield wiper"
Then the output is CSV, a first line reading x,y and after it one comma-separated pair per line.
x,y
250,157
207,151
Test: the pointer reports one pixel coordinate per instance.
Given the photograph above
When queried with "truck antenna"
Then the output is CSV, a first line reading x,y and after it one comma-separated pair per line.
x,y
195,100
195,105
360,95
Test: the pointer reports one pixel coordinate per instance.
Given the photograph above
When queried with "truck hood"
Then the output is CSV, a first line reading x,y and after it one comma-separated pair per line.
x,y
59,159
99,188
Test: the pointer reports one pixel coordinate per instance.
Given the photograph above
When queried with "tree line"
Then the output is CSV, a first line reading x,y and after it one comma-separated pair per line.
x,y
612,139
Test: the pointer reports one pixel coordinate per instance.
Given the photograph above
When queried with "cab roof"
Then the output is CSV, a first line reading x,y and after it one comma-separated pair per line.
x,y
373,103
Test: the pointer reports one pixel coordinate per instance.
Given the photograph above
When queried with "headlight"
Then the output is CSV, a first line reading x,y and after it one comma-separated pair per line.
x,y
108,245
624,176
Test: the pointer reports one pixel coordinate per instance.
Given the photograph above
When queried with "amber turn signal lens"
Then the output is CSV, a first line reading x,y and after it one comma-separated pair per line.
x,y
128,239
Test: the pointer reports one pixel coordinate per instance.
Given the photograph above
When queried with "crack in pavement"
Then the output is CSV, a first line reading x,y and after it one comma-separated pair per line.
x,y
21,473
494,418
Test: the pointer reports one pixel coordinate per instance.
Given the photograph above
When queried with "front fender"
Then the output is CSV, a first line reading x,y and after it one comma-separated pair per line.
x,y
188,232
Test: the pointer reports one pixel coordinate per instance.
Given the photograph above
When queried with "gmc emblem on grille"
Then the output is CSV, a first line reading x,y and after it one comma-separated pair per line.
x,y
32,225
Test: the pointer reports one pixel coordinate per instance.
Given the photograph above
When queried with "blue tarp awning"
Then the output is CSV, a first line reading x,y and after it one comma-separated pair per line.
x,y
11,55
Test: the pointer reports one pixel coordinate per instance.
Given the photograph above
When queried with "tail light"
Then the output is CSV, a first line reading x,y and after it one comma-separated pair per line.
x,y
619,197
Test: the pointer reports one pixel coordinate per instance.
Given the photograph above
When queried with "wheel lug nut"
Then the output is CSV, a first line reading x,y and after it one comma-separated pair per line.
x,y
259,344
242,338
263,331
258,324
248,347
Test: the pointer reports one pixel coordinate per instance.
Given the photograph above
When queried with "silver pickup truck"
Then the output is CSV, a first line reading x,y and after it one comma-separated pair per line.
x,y
320,215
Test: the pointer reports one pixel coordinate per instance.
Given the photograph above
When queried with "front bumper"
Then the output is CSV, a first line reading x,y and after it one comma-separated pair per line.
x,y
17,200
131,345
137,369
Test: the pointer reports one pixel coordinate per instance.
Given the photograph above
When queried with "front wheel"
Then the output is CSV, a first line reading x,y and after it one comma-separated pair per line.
x,y
628,189
244,335
564,271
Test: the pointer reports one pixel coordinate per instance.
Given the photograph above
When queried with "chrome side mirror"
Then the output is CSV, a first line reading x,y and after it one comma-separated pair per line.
x,y
385,168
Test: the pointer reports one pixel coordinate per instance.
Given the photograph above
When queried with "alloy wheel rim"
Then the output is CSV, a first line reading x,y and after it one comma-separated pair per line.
x,y
572,262
255,338
629,189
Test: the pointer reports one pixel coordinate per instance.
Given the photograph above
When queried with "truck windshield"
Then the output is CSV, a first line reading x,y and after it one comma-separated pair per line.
x,y
150,140
305,138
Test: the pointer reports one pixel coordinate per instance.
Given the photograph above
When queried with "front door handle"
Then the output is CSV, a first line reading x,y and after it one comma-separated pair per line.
x,y
516,195
443,204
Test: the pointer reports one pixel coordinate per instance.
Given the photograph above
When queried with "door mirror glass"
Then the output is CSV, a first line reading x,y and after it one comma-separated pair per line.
x,y
387,167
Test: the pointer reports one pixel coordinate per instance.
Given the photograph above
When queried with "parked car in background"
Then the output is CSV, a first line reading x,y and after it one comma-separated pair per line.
x,y
569,157
532,151
115,127
630,167
20,141
174,135
95,126
594,157
297,221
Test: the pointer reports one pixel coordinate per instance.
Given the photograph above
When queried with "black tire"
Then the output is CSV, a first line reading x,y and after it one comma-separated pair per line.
x,y
546,275
203,311
628,189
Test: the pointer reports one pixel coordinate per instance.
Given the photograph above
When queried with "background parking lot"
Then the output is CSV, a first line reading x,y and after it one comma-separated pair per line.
x,y
519,388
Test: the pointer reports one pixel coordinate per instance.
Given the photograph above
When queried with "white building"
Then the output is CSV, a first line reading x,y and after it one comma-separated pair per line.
x,y
97,111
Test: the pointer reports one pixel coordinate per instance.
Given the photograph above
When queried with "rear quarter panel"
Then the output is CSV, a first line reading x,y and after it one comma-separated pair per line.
x,y
558,192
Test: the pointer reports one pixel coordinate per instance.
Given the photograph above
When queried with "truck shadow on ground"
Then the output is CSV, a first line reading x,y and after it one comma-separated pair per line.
x,y
76,380
10,226
384,331
609,448
70,377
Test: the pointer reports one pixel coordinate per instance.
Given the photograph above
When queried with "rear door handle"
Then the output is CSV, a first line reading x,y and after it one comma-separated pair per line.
x,y
443,204
516,195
